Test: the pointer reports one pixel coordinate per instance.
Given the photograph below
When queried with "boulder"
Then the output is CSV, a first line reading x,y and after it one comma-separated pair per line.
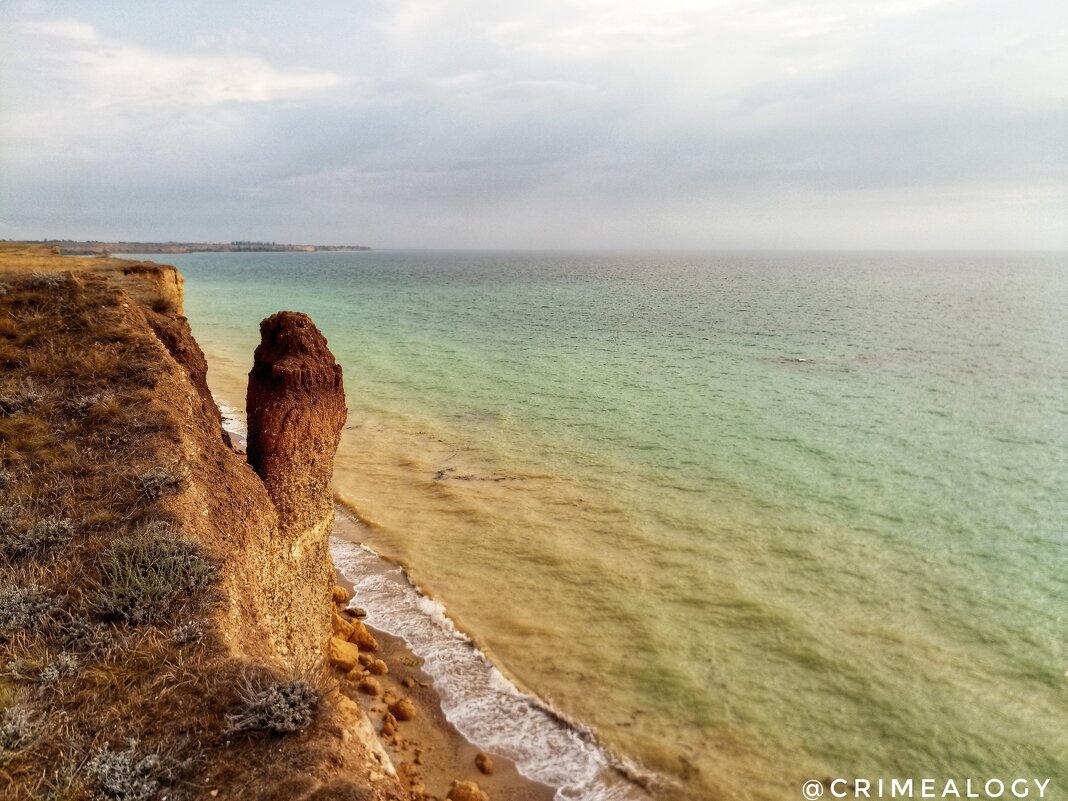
x,y
403,709
389,725
342,654
466,791
362,636
484,763
341,627
369,686
378,667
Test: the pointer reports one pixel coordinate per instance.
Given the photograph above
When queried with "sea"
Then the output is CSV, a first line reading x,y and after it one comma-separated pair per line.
x,y
701,525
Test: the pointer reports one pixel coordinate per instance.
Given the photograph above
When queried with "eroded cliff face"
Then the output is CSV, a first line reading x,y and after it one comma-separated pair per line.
x,y
113,396
296,410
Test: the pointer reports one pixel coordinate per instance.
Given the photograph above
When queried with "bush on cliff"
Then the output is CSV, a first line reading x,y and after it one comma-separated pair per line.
x,y
147,576
282,708
124,775
157,482
23,608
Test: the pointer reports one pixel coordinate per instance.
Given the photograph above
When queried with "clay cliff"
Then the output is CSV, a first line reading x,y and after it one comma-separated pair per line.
x,y
164,602
296,410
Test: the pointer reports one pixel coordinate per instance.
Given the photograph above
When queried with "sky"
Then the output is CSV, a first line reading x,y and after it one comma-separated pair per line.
x,y
562,124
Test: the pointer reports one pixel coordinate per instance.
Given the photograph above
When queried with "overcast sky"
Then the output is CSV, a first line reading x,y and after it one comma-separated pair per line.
x,y
564,124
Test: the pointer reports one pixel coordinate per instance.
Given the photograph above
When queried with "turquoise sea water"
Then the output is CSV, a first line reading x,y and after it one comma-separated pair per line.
x,y
754,518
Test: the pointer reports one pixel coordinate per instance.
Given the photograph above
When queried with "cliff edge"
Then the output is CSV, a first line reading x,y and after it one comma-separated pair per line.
x,y
164,606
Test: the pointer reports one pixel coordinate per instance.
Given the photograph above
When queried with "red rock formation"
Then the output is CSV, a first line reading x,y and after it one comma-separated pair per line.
x,y
296,410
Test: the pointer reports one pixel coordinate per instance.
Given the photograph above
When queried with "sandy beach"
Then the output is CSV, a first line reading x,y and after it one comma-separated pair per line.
x,y
427,750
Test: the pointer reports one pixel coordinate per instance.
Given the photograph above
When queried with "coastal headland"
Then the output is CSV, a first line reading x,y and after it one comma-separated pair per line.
x,y
169,621
72,247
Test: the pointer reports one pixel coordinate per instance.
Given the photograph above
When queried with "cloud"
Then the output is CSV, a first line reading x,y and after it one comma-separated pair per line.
x,y
104,73
654,122
125,74
72,29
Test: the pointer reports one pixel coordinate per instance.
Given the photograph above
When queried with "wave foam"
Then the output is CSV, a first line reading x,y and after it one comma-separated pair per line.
x,y
475,696
233,420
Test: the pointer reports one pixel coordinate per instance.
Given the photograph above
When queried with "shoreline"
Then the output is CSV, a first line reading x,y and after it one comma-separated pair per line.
x,y
477,696
429,752
606,776
451,755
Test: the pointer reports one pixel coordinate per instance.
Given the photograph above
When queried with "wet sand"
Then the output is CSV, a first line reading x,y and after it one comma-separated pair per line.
x,y
427,751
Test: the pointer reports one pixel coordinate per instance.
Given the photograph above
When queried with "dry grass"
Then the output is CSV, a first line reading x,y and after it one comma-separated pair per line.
x,y
103,693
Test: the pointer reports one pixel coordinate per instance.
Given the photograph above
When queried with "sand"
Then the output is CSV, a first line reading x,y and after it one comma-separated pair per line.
x,y
428,752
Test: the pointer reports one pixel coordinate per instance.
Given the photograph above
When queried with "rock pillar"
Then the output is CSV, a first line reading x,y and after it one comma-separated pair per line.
x,y
296,410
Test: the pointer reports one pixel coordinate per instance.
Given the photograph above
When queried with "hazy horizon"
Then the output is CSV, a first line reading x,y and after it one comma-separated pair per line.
x,y
904,125
562,250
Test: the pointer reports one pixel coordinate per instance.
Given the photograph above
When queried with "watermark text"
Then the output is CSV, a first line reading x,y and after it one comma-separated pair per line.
x,y
995,788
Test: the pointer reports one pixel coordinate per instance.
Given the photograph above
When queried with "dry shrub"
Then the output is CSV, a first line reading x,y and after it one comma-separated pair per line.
x,y
150,574
21,727
19,398
39,538
157,482
188,632
279,707
46,280
23,608
126,775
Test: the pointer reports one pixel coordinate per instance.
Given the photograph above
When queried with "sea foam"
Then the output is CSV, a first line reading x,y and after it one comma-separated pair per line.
x,y
475,696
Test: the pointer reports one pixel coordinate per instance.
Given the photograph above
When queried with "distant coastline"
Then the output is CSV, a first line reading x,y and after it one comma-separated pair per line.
x,y
95,248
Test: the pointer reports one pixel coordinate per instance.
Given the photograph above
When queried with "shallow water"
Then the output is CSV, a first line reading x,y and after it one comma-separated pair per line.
x,y
755,518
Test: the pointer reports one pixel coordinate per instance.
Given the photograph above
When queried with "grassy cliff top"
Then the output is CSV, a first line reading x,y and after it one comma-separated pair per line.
x,y
124,671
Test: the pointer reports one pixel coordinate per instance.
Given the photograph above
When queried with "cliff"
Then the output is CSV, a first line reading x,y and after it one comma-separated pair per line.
x,y
164,606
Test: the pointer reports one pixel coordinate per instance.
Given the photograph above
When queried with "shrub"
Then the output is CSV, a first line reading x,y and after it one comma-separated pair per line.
x,y
157,482
46,280
83,403
23,608
281,708
75,632
124,776
42,536
146,575
64,665
9,520
188,632
18,727
20,398
20,668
